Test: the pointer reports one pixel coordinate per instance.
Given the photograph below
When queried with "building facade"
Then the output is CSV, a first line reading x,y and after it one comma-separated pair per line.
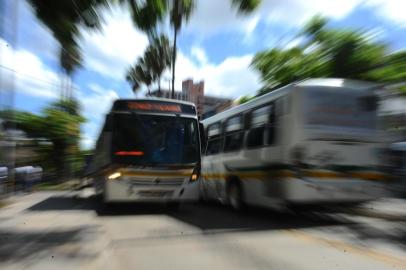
x,y
194,92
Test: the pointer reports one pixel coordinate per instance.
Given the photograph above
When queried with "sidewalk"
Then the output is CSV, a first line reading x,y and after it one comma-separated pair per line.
x,y
387,208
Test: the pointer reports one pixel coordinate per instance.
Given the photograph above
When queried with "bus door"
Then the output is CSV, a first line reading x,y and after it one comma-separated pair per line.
x,y
213,166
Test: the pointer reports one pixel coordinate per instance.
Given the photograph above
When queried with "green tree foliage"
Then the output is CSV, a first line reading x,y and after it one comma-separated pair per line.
x,y
245,99
330,53
59,124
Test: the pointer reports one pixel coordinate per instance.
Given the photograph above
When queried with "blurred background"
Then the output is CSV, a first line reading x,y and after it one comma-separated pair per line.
x,y
62,63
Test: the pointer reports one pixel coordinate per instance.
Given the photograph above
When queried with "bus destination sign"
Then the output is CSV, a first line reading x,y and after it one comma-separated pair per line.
x,y
153,106
147,106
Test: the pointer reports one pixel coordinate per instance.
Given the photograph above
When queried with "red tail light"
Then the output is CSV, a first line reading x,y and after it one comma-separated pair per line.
x,y
129,153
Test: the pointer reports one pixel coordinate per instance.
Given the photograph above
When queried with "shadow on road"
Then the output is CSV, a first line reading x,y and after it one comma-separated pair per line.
x,y
16,246
208,217
64,202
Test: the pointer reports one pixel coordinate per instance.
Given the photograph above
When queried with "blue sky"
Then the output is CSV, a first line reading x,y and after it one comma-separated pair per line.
x,y
216,45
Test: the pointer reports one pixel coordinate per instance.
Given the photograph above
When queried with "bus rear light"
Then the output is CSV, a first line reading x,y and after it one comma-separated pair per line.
x,y
114,175
129,153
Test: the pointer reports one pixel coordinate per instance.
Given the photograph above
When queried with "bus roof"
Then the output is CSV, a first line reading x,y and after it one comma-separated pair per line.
x,y
155,99
308,83
337,82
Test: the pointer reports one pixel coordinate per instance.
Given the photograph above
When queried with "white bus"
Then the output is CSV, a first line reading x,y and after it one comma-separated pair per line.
x,y
148,150
314,141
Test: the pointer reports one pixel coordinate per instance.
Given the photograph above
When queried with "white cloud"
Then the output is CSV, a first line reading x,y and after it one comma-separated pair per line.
x,y
199,54
26,73
113,49
296,12
94,107
231,78
393,10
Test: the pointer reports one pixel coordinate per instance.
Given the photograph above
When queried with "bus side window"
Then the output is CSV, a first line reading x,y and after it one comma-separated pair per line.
x,y
260,120
213,146
234,134
214,139
255,137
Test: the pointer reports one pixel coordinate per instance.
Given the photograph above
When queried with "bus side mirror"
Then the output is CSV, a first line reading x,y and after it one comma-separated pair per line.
x,y
202,137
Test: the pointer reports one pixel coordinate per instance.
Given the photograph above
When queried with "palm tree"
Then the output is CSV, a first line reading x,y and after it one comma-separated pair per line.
x,y
139,75
70,59
245,6
158,57
181,10
147,16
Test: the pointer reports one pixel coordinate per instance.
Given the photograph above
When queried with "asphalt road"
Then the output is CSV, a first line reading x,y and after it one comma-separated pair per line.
x,y
57,230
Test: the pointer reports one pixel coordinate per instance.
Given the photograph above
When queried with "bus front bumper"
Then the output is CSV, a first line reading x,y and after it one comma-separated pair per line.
x,y
126,191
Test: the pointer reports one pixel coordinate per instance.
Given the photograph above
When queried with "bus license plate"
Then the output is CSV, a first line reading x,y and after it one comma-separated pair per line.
x,y
155,193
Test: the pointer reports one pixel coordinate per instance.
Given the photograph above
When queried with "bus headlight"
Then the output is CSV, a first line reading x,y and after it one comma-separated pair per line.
x,y
114,175
195,175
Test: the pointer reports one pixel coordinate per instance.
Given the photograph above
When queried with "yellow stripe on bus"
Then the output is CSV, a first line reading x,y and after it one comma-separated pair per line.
x,y
325,175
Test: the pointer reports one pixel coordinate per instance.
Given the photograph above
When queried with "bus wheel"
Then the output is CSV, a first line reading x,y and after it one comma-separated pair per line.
x,y
234,196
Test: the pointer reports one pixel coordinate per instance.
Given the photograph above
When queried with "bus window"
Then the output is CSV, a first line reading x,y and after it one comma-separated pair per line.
x,y
234,134
213,130
214,139
255,137
234,123
233,141
213,146
261,120
344,109
152,139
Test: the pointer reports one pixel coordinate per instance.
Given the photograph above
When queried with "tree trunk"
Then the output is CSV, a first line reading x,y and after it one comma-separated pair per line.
x,y
175,34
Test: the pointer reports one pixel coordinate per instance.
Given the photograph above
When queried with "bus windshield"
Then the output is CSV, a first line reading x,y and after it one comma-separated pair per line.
x,y
342,108
155,140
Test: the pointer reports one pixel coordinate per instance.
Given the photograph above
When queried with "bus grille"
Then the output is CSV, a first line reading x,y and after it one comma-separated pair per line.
x,y
157,181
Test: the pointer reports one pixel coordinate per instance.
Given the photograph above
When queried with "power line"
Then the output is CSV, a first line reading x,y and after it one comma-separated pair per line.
x,y
29,76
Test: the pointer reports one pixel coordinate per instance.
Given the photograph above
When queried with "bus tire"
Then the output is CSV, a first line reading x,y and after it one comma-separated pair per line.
x,y
235,195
